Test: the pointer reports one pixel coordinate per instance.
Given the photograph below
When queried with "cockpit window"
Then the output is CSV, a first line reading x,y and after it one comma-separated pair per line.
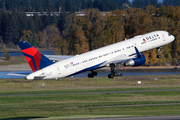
x,y
169,34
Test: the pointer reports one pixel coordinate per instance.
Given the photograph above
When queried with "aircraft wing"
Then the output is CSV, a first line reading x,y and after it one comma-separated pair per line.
x,y
57,58
117,60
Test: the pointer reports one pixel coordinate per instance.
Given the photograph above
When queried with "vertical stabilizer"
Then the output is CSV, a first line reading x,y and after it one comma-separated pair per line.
x,y
35,58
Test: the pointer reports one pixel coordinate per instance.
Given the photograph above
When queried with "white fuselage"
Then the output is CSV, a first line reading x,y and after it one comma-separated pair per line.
x,y
116,53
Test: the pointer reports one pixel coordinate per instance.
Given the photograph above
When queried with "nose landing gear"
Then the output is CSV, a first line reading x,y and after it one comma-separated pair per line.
x,y
158,52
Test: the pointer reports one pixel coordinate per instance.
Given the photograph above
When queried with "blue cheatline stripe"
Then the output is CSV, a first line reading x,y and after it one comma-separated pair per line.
x,y
87,69
34,64
24,45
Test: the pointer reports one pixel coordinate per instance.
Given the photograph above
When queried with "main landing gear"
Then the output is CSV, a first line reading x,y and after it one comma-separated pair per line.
x,y
92,74
113,73
158,52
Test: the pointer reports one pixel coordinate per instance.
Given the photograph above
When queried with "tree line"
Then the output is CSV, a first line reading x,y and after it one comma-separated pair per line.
x,y
69,34
78,5
82,34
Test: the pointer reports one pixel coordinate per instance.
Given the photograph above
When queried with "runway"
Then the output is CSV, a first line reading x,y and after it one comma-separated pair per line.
x,y
108,92
101,73
177,117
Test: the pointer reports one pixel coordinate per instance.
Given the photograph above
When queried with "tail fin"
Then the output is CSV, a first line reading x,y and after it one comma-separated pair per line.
x,y
35,59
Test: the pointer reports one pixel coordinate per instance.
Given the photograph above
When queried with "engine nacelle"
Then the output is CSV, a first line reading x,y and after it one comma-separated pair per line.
x,y
136,61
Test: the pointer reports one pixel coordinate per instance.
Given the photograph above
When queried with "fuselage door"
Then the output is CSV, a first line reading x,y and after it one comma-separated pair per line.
x,y
58,70
164,38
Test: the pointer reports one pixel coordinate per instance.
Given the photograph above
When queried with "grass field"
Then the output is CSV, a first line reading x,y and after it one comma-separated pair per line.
x,y
67,106
13,60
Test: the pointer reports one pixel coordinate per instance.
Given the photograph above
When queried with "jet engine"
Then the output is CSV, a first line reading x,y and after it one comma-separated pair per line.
x,y
136,61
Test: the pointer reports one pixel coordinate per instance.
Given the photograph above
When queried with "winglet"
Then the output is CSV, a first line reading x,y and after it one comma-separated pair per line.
x,y
35,58
137,52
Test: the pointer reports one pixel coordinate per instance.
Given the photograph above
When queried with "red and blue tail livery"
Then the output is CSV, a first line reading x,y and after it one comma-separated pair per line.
x,y
127,53
35,58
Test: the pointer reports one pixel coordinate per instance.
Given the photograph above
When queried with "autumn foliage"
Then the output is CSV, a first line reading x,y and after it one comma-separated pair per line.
x,y
70,34
82,34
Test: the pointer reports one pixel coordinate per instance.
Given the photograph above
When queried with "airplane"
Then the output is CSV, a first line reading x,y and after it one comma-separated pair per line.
x,y
126,52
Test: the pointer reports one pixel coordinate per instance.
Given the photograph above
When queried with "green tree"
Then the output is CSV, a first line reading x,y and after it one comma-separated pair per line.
x,y
104,5
123,3
23,21
68,5
176,2
84,4
154,3
168,2
89,4
36,20
46,5
25,6
6,54
11,29
34,41
37,5
150,2
138,4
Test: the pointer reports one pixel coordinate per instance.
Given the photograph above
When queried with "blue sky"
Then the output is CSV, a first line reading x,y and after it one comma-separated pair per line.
x,y
158,0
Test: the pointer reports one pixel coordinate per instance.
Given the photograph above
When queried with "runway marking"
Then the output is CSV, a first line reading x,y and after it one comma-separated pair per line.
x,y
75,108
92,117
112,117
111,92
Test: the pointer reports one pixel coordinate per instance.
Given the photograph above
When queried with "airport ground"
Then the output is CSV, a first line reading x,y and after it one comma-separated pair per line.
x,y
83,98
75,98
